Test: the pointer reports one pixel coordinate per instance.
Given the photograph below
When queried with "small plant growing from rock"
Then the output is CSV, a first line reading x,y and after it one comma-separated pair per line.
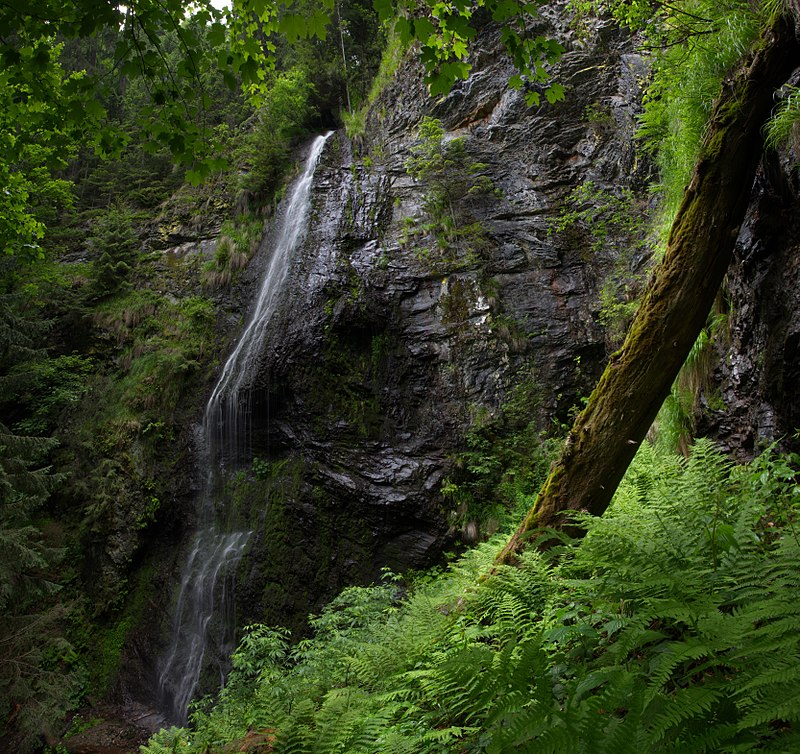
x,y
451,178
613,224
238,241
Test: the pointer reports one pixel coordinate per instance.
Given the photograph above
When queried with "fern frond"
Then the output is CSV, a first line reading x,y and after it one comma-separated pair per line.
x,y
782,705
675,654
685,704
530,729
449,735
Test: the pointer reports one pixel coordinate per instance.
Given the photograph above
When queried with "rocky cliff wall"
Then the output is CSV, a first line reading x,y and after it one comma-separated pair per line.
x,y
753,397
391,345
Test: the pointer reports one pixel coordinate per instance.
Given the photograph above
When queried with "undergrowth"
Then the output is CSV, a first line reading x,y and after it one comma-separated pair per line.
x,y
671,627
159,344
504,462
697,46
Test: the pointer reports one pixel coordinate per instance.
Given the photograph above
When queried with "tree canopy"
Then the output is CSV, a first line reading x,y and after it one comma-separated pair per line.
x,y
54,101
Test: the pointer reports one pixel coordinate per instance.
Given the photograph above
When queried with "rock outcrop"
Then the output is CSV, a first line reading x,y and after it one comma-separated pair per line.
x,y
753,398
391,344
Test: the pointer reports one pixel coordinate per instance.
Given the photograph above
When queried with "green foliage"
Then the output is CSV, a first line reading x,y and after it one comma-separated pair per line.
x,y
24,490
115,243
136,82
393,53
148,352
783,123
146,79
20,344
616,226
503,464
159,346
135,178
170,47
261,468
619,302
692,46
340,56
444,31
115,414
39,675
238,240
146,76
106,640
34,144
452,180
671,627
48,108
697,43
55,384
604,216
676,422
265,154
168,741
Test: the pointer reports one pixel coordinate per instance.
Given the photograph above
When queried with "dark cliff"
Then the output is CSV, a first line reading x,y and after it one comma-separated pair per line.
x,y
753,395
391,345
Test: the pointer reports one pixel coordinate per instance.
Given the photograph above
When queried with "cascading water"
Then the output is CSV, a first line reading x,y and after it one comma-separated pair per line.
x,y
202,623
228,410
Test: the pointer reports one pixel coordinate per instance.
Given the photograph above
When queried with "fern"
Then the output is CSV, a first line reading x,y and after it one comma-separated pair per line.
x,y
672,627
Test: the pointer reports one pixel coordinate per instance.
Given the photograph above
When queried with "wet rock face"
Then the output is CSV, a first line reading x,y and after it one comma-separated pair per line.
x,y
390,343
758,375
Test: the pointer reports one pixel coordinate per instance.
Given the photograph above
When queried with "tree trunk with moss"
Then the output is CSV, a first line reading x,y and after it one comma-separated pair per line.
x,y
623,405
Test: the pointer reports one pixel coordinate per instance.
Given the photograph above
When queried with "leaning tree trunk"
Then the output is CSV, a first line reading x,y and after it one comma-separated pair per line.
x,y
623,405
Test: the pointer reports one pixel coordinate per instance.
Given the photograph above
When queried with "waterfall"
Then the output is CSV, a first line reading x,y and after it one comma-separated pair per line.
x,y
202,622
227,416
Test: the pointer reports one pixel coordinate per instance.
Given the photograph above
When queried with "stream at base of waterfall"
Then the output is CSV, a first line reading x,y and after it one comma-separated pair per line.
x,y
203,622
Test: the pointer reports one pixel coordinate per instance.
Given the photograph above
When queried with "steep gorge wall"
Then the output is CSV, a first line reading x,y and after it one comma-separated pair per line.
x,y
753,398
389,348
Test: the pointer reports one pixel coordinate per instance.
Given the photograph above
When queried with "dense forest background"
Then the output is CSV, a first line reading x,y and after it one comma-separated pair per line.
x,y
144,153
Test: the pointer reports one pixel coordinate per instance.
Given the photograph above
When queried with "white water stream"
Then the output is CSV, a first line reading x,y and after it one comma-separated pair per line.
x,y
202,623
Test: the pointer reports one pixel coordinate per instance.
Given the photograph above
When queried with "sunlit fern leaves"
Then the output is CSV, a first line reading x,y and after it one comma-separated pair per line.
x,y
522,711
514,604
296,731
351,720
459,687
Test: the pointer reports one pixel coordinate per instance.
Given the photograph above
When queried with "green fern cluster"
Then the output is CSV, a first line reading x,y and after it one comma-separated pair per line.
x,y
674,626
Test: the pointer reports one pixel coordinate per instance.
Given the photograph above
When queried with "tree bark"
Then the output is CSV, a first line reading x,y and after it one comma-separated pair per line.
x,y
623,405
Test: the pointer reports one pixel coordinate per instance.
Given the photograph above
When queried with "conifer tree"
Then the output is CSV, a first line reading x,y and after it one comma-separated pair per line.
x,y
115,241
35,680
